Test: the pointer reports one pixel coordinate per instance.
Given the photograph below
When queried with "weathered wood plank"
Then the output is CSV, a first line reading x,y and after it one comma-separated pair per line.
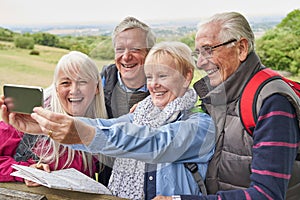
x,y
9,194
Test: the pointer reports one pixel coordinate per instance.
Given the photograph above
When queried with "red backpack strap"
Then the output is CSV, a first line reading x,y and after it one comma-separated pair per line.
x,y
294,85
247,106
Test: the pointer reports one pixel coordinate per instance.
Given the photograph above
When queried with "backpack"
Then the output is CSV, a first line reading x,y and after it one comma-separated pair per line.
x,y
248,100
193,168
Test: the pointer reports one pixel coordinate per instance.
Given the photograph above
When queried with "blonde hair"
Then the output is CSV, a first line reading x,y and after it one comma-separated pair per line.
x,y
82,66
180,53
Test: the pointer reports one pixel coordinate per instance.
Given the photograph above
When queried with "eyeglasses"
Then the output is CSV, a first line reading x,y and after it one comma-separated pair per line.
x,y
206,51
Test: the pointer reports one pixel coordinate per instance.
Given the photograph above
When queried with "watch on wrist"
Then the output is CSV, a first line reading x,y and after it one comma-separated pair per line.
x,y
176,197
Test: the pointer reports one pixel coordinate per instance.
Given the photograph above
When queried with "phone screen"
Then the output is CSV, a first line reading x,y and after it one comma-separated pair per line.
x,y
22,99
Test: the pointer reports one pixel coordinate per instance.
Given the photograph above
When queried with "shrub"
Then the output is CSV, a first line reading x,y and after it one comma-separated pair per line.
x,y
45,39
24,42
34,52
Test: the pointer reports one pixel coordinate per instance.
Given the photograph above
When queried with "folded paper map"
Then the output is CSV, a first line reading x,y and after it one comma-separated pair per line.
x,y
65,179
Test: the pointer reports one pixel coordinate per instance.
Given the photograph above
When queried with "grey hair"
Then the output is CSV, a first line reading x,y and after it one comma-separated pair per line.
x,y
131,23
233,25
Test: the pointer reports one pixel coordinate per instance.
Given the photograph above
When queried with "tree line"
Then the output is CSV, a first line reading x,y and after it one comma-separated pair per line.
x,y
278,48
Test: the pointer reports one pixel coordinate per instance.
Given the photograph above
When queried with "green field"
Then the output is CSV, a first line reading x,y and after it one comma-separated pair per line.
x,y
17,66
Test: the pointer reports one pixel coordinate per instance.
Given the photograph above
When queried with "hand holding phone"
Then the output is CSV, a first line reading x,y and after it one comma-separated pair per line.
x,y
22,99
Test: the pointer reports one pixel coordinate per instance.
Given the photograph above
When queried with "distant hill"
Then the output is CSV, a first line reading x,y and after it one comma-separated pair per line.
x,y
161,28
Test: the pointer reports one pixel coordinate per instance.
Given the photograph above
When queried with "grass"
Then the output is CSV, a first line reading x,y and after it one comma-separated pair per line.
x,y
17,66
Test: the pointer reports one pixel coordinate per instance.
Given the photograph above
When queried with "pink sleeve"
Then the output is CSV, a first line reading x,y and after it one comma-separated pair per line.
x,y
9,141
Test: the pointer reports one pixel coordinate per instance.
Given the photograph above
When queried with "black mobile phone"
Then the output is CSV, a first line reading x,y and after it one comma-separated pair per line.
x,y
21,98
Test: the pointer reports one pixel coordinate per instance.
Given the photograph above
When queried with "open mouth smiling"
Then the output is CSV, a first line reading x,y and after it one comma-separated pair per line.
x,y
75,100
159,93
211,71
128,66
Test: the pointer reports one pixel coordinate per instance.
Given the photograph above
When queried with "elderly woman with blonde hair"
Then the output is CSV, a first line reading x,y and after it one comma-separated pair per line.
x,y
76,91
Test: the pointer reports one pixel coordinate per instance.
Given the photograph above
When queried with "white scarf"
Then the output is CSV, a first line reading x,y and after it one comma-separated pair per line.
x,y
127,179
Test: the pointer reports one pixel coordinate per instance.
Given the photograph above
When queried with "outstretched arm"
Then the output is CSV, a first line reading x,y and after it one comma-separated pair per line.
x,y
63,128
60,127
191,139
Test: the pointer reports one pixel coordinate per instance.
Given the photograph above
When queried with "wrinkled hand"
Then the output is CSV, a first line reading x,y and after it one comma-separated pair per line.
x,y
162,198
22,122
63,128
41,166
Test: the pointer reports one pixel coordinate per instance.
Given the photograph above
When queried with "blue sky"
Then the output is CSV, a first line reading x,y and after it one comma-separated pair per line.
x,y
31,12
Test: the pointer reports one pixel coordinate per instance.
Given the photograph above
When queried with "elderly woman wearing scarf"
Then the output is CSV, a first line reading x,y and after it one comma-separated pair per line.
x,y
151,144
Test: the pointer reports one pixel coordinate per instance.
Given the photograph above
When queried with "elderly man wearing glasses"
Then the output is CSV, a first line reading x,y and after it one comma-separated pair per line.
x,y
261,166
